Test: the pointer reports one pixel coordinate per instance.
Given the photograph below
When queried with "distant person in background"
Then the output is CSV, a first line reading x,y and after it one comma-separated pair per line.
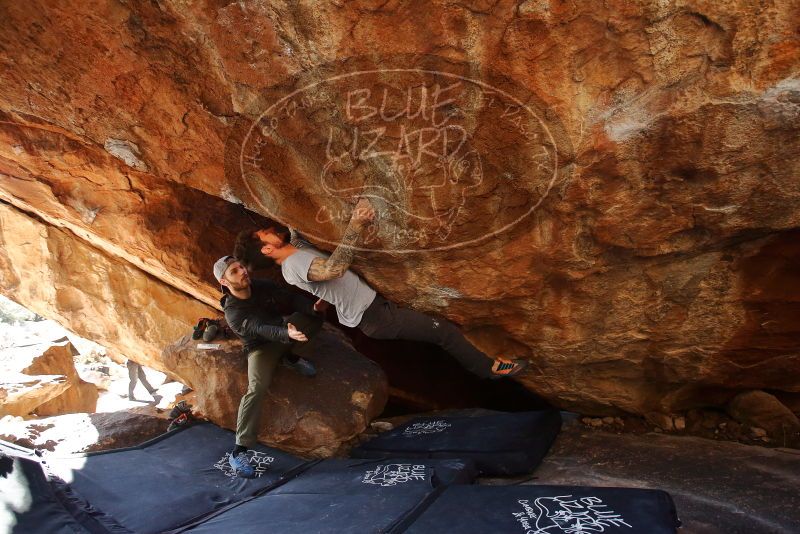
x,y
136,373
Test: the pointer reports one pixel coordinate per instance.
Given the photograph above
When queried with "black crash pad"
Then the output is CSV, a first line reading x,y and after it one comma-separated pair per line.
x,y
341,496
177,483
546,510
499,443
338,475
170,480
29,504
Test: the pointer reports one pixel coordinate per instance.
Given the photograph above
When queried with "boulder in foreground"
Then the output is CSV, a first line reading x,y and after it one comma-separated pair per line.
x,y
83,432
311,416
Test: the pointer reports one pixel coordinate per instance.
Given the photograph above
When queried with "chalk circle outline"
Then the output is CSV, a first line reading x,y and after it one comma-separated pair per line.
x,y
460,244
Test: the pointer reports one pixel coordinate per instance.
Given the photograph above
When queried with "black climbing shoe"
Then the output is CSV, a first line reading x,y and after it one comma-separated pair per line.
x,y
179,408
199,328
211,331
180,415
207,329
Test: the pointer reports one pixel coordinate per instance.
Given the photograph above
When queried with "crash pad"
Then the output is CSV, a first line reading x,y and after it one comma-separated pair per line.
x,y
500,443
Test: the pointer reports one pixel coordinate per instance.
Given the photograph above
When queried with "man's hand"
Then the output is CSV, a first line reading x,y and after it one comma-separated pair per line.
x,y
320,306
296,334
363,213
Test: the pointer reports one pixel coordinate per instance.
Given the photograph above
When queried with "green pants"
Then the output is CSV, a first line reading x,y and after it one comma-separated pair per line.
x,y
261,365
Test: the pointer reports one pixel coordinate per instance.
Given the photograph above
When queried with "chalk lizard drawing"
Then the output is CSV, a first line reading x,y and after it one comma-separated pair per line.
x,y
393,474
567,514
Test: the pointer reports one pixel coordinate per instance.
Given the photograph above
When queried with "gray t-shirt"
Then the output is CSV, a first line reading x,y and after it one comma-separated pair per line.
x,y
350,294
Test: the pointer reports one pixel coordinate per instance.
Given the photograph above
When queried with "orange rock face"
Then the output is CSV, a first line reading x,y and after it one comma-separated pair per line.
x,y
610,190
97,296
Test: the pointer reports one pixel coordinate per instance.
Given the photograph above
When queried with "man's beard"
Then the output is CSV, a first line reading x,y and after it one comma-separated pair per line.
x,y
240,286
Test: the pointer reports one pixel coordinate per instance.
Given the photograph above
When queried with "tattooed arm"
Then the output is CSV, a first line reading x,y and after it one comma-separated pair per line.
x,y
339,261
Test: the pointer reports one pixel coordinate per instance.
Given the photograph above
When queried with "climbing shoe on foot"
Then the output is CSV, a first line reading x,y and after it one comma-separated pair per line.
x,y
504,368
241,465
302,366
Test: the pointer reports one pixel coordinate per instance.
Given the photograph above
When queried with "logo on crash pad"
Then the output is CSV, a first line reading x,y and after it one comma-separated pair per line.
x,y
429,427
393,474
567,514
448,153
258,460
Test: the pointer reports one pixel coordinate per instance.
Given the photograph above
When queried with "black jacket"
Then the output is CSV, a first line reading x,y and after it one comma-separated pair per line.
x,y
258,320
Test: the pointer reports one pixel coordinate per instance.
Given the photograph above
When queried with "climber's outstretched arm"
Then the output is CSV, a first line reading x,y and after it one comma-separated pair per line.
x,y
339,261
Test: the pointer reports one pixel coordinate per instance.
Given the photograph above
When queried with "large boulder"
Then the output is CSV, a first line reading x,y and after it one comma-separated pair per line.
x,y
81,396
759,409
83,432
623,211
20,394
47,382
309,416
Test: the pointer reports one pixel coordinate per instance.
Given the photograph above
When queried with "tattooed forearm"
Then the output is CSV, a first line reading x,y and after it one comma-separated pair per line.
x,y
341,258
318,271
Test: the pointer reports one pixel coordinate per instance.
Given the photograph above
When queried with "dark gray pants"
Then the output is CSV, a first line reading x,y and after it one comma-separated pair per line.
x,y
383,319
261,365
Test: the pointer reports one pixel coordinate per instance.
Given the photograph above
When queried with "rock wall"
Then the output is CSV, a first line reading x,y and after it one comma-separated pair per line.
x,y
624,209
42,379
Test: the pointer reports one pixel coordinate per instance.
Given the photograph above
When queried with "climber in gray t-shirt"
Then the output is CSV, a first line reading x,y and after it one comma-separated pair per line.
x,y
349,293
327,276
